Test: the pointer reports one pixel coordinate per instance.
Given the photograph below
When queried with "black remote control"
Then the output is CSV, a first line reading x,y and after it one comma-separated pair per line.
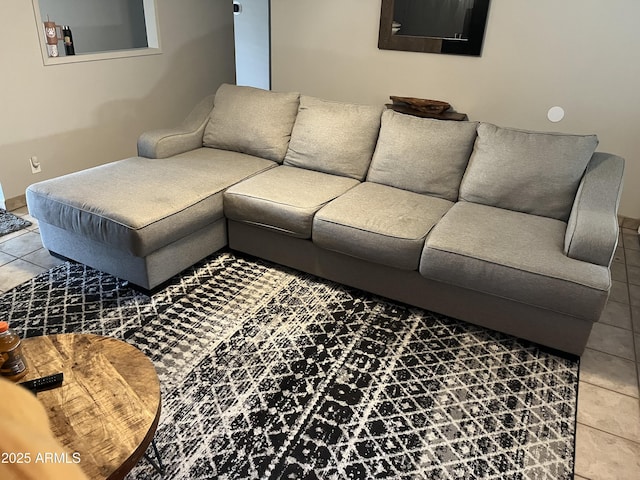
x,y
43,383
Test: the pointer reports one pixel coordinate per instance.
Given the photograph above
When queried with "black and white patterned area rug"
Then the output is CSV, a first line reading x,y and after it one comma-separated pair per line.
x,y
11,223
269,373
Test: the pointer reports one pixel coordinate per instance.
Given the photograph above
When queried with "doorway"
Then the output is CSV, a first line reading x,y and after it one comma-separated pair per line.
x,y
252,35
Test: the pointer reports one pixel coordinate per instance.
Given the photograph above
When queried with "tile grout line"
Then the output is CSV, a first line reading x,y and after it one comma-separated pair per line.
x,y
609,433
633,332
13,257
18,234
22,257
610,390
635,353
632,360
32,263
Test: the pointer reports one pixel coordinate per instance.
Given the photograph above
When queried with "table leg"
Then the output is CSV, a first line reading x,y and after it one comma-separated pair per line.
x,y
157,463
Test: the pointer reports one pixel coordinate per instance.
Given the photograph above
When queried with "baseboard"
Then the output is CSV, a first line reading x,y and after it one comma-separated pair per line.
x,y
630,223
15,202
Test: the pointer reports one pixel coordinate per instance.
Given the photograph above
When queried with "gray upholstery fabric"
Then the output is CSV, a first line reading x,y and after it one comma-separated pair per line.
x,y
592,232
284,198
421,154
141,204
253,121
515,256
168,142
529,172
553,329
148,271
332,137
378,223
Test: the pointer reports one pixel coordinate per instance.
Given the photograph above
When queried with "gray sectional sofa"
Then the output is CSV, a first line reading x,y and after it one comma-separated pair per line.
x,y
509,229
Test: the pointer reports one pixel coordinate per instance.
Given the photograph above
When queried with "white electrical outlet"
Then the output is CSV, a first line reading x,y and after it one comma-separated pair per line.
x,y
35,165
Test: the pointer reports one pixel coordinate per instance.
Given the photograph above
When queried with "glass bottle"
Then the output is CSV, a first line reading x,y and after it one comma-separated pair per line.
x,y
69,49
12,363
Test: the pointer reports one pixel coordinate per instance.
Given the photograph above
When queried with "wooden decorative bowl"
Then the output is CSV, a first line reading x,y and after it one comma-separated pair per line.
x,y
422,104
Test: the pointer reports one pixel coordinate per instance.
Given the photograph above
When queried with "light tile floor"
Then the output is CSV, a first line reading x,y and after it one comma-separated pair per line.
x,y
608,431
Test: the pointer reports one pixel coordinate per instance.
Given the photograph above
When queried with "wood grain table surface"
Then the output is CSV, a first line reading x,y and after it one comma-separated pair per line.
x,y
108,407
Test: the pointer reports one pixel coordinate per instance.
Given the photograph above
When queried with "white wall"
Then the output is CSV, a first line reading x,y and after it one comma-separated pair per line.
x,y
79,115
583,55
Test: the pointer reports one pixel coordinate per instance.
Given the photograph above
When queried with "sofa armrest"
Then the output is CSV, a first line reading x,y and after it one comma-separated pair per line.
x,y
168,142
592,231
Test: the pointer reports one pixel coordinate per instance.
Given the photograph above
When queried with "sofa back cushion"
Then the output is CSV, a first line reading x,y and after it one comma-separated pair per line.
x,y
252,121
335,138
530,172
422,155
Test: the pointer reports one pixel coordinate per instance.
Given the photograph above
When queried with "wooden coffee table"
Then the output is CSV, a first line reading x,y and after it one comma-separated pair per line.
x,y
108,407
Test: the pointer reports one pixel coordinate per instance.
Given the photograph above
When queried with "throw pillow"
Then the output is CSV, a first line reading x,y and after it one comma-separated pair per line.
x,y
253,121
530,172
332,137
422,155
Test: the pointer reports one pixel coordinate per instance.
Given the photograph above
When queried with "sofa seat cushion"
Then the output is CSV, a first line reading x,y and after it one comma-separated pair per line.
x,y
253,121
379,223
284,199
422,155
333,137
141,204
530,172
515,256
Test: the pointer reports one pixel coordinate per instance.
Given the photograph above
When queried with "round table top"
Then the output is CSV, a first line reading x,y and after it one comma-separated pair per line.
x,y
108,407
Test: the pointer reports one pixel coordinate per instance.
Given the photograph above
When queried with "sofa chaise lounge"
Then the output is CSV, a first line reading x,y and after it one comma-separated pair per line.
x,y
509,229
